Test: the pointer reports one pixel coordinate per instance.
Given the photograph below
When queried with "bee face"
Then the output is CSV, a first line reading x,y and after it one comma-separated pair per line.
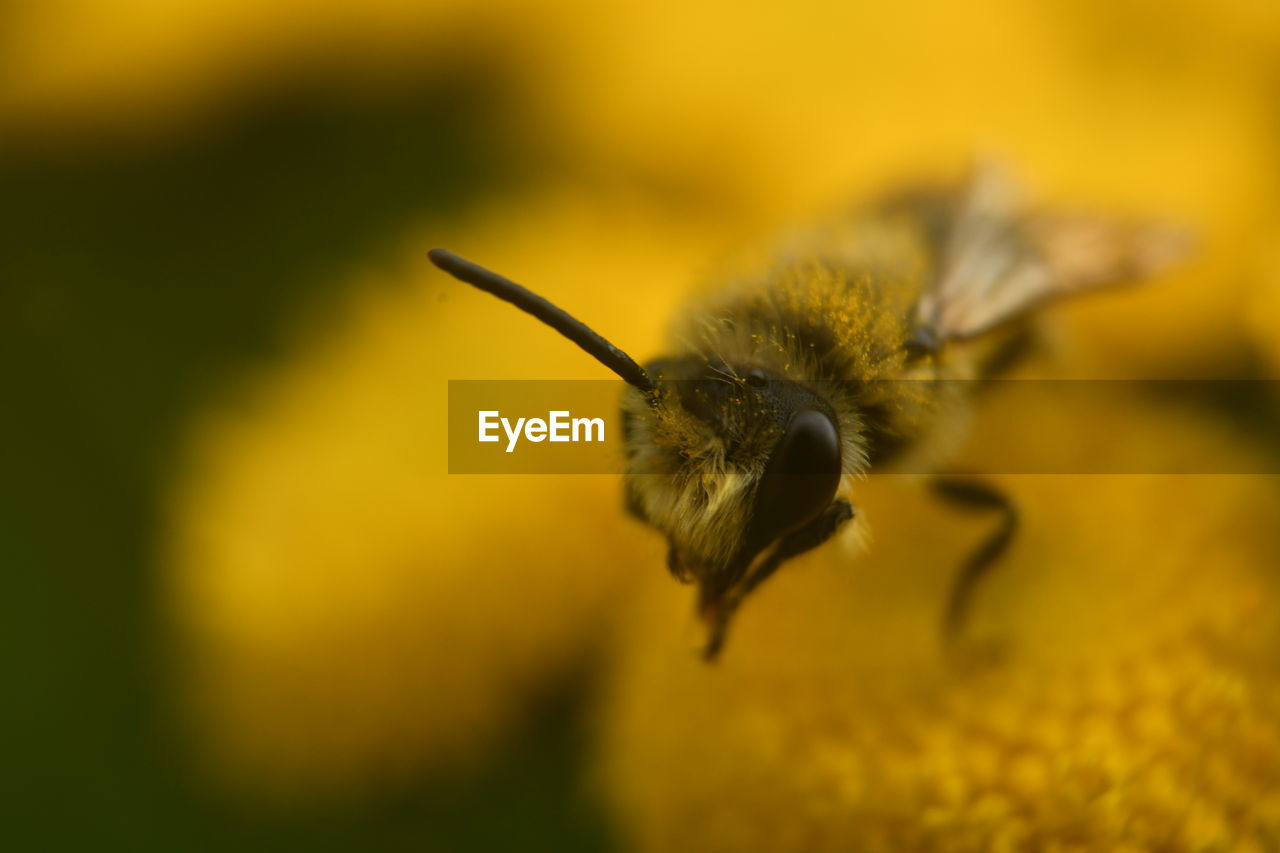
x,y
728,461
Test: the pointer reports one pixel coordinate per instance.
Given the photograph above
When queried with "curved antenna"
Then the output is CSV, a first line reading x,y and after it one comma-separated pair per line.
x,y
557,318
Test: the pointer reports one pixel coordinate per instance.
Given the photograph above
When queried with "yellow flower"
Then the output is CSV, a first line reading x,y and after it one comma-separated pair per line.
x,y
1118,683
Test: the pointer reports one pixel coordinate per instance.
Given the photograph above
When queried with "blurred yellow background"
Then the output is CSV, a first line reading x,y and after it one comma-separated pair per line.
x,y
232,358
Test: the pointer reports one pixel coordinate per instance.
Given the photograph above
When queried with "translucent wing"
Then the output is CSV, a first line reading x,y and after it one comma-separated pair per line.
x,y
997,262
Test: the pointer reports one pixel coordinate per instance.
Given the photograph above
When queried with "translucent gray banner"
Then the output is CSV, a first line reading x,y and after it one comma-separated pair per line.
x,y
1042,426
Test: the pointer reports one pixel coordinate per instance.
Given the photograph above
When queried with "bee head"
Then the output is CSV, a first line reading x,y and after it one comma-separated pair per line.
x,y
726,462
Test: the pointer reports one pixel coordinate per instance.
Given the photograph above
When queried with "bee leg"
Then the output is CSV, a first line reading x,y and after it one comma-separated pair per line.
x,y
792,545
975,495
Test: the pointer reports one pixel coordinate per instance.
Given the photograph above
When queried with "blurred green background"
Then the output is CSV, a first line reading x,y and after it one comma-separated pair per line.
x,y
137,276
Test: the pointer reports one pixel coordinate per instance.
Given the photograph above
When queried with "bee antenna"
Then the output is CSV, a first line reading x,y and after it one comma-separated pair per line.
x,y
557,318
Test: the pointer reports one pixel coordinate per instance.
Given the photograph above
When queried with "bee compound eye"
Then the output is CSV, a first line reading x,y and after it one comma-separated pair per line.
x,y
801,478
756,378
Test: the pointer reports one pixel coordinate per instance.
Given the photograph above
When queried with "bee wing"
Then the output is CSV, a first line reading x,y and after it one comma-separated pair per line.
x,y
997,261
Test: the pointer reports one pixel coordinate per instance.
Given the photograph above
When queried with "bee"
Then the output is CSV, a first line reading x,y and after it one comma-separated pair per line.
x,y
844,354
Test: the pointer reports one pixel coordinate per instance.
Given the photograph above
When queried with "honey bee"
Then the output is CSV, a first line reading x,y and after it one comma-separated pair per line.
x,y
837,358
